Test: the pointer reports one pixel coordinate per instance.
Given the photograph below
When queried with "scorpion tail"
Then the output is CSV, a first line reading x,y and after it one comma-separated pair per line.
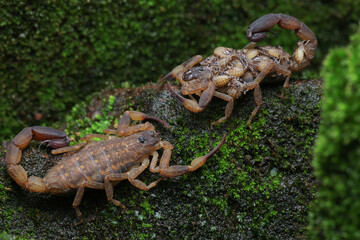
x,y
306,49
55,139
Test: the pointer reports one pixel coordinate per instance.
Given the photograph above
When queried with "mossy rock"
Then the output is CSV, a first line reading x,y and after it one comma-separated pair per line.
x,y
258,185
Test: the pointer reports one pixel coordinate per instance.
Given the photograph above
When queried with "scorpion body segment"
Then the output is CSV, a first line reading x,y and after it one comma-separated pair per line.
x,y
229,73
99,164
99,159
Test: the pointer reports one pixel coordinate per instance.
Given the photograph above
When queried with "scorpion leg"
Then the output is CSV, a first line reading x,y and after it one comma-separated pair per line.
x,y
131,176
258,101
136,172
286,85
177,170
257,91
207,95
79,195
229,106
68,148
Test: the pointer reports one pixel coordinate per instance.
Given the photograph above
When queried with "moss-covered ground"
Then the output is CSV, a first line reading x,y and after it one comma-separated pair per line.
x,y
257,186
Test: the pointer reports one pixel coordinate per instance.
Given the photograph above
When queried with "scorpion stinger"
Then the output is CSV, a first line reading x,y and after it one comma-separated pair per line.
x,y
307,44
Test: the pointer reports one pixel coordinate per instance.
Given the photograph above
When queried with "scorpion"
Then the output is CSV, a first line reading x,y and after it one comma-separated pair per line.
x,y
230,73
121,154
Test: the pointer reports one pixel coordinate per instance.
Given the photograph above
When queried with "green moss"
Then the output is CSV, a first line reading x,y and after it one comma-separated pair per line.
x,y
139,236
5,236
4,191
220,203
241,142
147,207
77,119
9,213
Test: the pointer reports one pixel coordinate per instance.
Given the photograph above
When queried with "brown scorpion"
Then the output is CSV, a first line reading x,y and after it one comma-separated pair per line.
x,y
230,73
99,164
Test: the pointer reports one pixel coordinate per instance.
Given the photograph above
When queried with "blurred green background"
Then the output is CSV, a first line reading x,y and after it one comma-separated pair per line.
x,y
54,54
336,210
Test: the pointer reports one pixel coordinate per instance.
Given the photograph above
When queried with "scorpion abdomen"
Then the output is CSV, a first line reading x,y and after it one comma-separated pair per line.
x,y
97,160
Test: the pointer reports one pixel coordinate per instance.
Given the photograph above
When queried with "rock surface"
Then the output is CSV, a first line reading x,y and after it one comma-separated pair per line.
x,y
259,184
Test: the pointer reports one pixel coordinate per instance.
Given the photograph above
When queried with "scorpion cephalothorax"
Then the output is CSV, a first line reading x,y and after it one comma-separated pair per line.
x,y
230,73
99,164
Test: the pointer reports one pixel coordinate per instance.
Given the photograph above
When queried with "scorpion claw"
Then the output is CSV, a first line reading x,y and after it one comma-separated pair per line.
x,y
142,116
164,80
56,143
175,95
188,103
45,141
158,120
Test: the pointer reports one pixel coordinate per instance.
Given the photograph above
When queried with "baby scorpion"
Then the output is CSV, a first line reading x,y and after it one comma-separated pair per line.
x,y
99,164
230,73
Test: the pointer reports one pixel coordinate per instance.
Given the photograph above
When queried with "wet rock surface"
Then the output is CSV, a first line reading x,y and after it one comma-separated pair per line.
x,y
258,185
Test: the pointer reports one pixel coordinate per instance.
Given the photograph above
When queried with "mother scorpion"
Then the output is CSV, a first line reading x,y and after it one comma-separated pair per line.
x,y
230,73
99,164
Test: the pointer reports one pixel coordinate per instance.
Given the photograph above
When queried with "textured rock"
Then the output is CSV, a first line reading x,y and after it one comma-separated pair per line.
x,y
259,184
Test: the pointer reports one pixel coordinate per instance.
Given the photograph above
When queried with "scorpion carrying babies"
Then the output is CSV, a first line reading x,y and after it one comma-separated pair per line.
x,y
230,73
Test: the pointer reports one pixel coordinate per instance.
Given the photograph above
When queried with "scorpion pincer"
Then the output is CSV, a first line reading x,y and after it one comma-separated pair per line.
x,y
122,154
230,73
